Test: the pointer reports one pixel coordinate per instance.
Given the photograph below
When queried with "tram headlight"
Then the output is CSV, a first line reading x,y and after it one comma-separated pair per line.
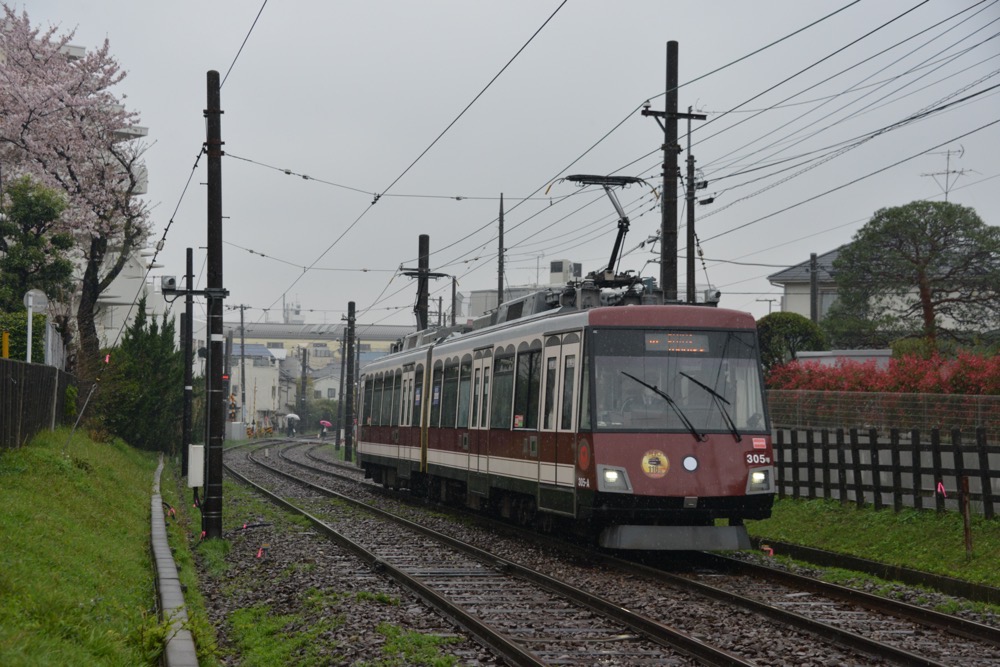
x,y
759,480
614,480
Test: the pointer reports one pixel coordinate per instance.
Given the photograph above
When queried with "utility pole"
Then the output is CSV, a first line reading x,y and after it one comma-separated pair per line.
x,y
340,393
671,174
349,386
243,368
769,302
422,273
212,508
500,258
690,208
227,378
187,327
302,391
454,301
813,288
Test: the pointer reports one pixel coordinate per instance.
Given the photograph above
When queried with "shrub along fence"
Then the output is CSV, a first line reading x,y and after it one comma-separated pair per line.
x,y
32,398
921,469
883,410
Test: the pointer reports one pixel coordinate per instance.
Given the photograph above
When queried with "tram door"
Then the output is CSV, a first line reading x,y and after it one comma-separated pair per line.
x,y
560,392
406,436
479,423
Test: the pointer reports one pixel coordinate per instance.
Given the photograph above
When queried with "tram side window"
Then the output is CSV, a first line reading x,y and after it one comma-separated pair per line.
x,y
376,412
369,394
449,396
475,399
418,391
551,369
486,396
503,389
389,398
398,391
569,375
437,380
526,390
464,388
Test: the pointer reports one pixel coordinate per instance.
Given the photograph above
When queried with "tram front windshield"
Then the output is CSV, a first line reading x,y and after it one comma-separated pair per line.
x,y
699,382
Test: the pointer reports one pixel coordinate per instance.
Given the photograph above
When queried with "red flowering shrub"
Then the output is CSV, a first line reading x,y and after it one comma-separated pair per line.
x,y
966,374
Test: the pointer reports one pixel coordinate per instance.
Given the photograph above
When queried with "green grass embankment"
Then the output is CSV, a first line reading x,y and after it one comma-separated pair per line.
x,y
922,540
76,579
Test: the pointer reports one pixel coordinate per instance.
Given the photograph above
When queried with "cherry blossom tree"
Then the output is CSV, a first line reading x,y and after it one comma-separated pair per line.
x,y
61,123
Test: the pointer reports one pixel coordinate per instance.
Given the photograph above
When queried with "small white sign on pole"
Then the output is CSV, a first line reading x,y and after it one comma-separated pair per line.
x,y
33,298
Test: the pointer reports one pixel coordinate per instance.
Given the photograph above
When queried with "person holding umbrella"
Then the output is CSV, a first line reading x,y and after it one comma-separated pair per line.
x,y
325,424
291,419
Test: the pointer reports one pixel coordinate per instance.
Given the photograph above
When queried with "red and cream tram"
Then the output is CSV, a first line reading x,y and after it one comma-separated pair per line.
x,y
642,425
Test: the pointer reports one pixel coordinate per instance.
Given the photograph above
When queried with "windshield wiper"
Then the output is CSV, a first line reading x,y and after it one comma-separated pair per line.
x,y
662,394
719,400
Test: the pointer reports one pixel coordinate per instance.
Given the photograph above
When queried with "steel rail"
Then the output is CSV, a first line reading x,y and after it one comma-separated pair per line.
x,y
648,628
844,638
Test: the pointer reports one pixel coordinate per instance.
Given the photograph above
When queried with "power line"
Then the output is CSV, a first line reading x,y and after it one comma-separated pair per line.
x,y
233,64
856,180
424,152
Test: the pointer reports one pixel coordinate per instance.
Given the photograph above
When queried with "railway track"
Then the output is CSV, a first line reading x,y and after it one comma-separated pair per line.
x,y
525,618
846,632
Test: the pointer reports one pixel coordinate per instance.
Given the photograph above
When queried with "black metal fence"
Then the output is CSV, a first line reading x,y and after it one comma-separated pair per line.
x,y
862,409
897,469
32,398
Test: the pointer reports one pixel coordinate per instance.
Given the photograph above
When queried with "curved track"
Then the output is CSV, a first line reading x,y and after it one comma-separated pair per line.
x,y
814,628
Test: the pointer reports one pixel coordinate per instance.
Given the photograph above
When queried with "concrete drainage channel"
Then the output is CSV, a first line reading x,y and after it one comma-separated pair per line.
x,y
180,650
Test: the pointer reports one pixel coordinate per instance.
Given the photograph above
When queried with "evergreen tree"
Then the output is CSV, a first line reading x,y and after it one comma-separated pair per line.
x,y
142,389
926,269
32,248
783,335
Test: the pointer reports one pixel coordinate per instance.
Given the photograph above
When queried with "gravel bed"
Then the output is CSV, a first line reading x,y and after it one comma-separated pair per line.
x,y
290,570
730,628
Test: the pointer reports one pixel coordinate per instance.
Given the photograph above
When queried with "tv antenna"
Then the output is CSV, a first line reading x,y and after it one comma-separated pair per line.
x,y
948,171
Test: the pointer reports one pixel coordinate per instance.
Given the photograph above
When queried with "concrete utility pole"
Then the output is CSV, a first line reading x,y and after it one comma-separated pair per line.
x,y
302,391
813,288
349,386
422,273
500,258
671,174
212,508
187,329
243,368
340,393
690,208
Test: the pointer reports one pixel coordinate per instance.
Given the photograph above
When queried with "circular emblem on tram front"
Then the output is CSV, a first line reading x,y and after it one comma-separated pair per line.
x,y
655,464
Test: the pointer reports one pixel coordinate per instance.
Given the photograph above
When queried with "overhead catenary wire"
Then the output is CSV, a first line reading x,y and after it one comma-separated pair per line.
x,y
432,144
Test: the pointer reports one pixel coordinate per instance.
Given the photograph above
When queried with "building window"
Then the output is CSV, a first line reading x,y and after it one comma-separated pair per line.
x,y
317,393
276,345
331,393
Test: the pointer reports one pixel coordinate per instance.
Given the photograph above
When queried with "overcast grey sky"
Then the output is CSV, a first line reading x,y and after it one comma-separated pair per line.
x,y
352,93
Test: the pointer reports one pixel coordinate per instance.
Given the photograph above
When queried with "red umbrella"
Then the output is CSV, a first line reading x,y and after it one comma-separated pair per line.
x,y
323,422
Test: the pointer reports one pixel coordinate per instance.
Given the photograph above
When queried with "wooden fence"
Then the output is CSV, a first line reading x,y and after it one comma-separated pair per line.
x,y
896,469
32,398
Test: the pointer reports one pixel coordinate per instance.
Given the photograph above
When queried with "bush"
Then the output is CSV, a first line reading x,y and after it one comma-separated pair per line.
x,y
967,373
